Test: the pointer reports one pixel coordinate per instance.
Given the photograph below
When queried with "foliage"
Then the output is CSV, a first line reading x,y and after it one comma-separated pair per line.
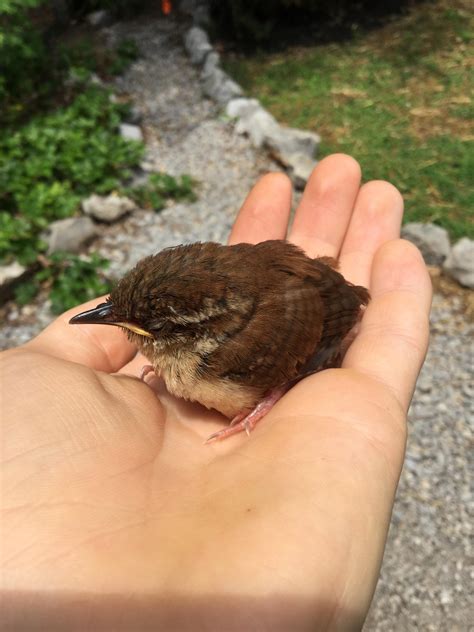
x,y
119,8
34,67
255,21
22,51
60,141
79,59
398,99
162,186
125,54
50,163
71,279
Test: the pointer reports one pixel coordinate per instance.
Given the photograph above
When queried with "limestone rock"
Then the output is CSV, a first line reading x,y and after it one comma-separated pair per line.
x,y
241,107
264,130
285,142
460,262
212,62
131,132
69,234
300,168
101,18
432,240
11,272
107,209
202,16
197,45
135,116
220,87
258,124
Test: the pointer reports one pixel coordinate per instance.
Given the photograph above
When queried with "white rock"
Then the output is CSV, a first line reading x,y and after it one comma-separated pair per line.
x,y
300,166
241,107
11,272
95,79
145,165
212,62
197,44
460,262
107,209
287,141
259,125
220,87
263,130
432,240
135,115
131,132
69,234
202,16
446,596
99,18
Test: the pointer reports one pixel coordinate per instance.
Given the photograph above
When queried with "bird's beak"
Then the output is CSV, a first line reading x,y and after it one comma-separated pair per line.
x,y
100,315
103,314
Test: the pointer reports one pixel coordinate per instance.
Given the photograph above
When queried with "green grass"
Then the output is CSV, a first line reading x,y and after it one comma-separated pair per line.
x,y
398,99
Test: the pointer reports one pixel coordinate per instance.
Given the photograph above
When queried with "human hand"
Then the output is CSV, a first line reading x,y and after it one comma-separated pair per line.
x,y
115,515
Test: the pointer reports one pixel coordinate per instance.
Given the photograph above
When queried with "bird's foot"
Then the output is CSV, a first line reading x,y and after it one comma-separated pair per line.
x,y
145,371
248,421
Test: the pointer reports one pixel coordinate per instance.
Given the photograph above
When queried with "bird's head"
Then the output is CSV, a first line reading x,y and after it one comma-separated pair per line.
x,y
171,299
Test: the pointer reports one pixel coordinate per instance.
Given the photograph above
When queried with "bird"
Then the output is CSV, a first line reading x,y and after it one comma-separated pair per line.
x,y
233,327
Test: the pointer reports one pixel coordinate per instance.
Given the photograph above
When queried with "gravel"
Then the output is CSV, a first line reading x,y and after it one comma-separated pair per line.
x,y
426,574
425,578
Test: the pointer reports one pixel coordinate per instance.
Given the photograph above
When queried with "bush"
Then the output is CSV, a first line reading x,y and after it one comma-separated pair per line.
x,y
159,188
70,279
22,53
254,22
119,8
48,165
33,67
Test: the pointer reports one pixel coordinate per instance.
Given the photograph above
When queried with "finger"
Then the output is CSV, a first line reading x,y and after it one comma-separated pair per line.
x,y
377,218
100,347
265,212
325,209
393,337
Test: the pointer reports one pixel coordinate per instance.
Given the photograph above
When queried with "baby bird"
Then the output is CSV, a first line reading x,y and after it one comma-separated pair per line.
x,y
234,327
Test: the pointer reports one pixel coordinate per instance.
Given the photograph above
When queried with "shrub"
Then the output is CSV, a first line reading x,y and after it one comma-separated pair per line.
x,y
253,22
119,8
22,54
159,188
50,163
71,280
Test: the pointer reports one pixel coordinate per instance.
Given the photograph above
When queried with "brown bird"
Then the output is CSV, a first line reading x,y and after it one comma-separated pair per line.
x,y
234,327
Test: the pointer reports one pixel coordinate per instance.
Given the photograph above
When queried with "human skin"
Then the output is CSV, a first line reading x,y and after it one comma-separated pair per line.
x,y
115,516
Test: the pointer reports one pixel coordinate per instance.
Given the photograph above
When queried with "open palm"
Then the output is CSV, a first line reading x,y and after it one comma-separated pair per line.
x,y
116,516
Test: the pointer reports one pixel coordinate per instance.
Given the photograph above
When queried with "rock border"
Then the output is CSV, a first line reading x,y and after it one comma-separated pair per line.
x,y
295,149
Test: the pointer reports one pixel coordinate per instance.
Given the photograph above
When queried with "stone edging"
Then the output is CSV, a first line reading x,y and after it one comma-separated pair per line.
x,y
295,150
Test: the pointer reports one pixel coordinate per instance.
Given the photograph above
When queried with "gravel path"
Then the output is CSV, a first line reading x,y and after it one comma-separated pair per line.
x,y
425,578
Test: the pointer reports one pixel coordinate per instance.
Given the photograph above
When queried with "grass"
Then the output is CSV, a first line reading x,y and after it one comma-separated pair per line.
x,y
397,98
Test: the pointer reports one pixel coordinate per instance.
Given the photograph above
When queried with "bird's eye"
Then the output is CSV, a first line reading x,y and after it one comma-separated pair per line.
x,y
157,325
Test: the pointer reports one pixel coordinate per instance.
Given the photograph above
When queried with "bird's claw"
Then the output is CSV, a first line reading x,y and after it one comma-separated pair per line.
x,y
146,370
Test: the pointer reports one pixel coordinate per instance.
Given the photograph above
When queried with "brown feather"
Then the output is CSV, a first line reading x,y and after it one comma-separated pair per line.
x,y
230,323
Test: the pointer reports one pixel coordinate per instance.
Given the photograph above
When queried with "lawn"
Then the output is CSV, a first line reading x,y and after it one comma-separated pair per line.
x,y
398,98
